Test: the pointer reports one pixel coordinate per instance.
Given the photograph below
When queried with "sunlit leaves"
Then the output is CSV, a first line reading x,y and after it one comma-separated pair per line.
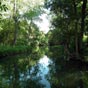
x,y
33,13
3,7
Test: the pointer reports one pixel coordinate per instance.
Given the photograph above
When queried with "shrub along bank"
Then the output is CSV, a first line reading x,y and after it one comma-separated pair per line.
x,y
14,50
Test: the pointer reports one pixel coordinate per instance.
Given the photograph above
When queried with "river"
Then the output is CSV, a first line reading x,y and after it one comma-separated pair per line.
x,y
44,68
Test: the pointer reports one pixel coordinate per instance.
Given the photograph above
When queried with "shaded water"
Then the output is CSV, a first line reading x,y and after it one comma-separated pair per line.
x,y
43,68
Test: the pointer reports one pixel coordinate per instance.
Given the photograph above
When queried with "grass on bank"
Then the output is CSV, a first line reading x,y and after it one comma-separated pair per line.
x,y
13,50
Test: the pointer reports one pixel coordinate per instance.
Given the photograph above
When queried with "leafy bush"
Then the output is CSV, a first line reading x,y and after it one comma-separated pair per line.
x,y
13,50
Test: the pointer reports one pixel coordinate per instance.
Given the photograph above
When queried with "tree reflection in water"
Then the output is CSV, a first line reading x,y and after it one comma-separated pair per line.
x,y
38,70
66,74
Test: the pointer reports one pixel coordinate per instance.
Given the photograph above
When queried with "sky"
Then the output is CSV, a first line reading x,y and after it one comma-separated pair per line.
x,y
44,24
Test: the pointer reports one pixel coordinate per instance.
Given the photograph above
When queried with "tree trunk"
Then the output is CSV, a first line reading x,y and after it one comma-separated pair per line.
x,y
83,16
76,30
15,30
15,23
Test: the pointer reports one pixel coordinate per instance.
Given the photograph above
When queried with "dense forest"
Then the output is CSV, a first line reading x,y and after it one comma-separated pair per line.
x,y
64,47
18,28
69,25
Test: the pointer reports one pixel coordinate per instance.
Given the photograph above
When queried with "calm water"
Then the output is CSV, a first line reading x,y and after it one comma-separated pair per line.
x,y
43,68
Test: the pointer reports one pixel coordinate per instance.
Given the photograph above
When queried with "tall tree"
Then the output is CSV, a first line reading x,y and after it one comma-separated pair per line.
x,y
83,16
66,20
15,22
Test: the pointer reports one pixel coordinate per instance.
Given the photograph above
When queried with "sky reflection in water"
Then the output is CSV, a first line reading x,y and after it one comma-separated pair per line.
x,y
44,69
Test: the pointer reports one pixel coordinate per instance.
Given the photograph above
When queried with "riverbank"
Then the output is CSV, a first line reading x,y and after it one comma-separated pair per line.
x,y
14,50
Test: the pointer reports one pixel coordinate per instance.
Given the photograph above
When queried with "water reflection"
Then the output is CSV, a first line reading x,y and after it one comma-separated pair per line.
x,y
67,74
26,71
42,69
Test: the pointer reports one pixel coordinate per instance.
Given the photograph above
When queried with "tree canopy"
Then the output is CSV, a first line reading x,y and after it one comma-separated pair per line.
x,y
69,21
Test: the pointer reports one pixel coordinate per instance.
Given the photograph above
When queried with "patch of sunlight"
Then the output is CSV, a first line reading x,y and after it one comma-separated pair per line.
x,y
44,61
1,28
85,37
32,3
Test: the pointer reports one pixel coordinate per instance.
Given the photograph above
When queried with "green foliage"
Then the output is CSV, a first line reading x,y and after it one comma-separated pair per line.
x,y
15,65
67,29
3,7
18,26
13,50
33,13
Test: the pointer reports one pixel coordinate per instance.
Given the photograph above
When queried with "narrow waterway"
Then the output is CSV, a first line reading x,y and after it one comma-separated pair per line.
x,y
46,68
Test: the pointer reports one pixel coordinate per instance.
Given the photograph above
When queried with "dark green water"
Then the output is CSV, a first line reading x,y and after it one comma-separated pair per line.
x,y
43,68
